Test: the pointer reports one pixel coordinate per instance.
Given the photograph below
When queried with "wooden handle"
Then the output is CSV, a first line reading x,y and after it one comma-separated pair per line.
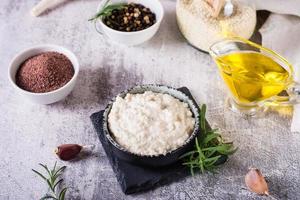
x,y
217,6
43,5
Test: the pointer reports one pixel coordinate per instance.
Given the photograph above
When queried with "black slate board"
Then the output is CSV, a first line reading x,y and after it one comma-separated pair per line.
x,y
134,178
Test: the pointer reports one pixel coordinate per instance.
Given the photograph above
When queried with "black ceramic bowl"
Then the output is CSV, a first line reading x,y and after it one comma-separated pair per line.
x,y
158,160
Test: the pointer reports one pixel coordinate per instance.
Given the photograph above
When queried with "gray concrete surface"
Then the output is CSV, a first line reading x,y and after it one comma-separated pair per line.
x,y
29,133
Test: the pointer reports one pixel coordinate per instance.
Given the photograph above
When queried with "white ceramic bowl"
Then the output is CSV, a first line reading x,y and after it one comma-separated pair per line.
x,y
47,97
136,37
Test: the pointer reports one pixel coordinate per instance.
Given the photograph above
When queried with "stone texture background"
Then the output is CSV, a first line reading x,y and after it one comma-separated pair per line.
x,y
29,133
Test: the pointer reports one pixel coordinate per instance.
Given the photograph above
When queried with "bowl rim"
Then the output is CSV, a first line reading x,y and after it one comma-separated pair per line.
x,y
54,48
157,23
107,109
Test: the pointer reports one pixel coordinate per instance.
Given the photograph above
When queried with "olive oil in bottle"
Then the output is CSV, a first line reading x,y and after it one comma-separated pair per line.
x,y
252,76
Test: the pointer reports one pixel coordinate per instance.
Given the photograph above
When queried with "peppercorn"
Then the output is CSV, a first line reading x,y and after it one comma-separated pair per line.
x,y
132,17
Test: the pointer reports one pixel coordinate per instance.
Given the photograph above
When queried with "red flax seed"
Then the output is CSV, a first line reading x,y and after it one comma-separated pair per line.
x,y
44,72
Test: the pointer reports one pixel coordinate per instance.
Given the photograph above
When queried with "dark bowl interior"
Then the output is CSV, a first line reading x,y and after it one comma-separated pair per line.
x,y
158,160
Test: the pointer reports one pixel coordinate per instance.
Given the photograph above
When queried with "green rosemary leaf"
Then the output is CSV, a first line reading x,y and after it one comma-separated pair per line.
x,y
215,130
100,12
214,148
219,149
192,170
115,6
54,168
188,154
201,166
56,184
57,173
50,186
211,136
38,173
199,149
208,154
51,181
190,162
106,3
48,197
230,151
107,9
212,160
202,118
209,148
62,194
226,149
46,168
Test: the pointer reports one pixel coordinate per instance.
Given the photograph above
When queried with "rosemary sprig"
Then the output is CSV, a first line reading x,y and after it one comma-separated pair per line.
x,y
53,181
209,148
107,9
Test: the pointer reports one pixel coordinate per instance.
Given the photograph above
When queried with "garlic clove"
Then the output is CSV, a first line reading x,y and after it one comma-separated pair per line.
x,y
256,182
228,8
68,151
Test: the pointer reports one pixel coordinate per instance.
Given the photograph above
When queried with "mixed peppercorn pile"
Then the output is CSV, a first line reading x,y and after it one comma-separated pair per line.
x,y
131,17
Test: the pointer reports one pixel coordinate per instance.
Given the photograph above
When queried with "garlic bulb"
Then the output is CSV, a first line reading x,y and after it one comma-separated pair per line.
x,y
198,23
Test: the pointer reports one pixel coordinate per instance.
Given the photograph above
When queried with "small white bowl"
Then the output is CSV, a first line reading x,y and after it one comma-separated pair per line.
x,y
135,37
47,97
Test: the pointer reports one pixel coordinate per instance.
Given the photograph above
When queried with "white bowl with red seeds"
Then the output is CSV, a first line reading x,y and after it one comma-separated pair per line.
x,y
44,74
